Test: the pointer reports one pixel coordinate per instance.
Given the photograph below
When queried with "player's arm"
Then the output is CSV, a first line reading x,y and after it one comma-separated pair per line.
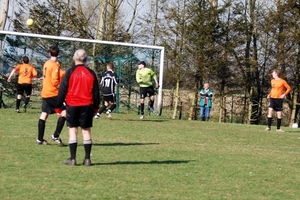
x,y
96,94
34,72
138,77
63,89
10,75
117,82
55,77
287,87
154,77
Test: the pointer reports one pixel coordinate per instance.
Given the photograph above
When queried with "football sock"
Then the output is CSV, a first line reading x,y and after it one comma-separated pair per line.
x,y
102,109
112,107
73,148
41,129
278,123
27,100
18,103
87,148
269,122
151,103
142,108
59,126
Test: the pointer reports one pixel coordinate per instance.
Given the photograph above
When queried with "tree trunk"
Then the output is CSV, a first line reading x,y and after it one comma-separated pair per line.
x,y
194,104
100,29
176,101
3,16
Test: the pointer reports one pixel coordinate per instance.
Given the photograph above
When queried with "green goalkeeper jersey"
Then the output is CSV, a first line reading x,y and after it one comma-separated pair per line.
x,y
145,76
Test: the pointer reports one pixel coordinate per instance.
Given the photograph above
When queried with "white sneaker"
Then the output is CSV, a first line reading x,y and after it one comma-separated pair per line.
x,y
108,114
97,116
142,117
279,130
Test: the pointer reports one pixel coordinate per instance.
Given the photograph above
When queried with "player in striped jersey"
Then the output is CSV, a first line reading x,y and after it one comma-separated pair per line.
x,y
108,82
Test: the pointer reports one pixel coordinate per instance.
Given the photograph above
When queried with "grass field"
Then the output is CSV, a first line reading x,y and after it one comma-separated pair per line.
x,y
154,158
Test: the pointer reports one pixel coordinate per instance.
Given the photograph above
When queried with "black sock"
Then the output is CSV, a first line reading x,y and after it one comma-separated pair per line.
x,y
73,149
59,126
278,123
27,100
269,122
142,108
41,129
18,103
102,109
151,103
87,148
112,107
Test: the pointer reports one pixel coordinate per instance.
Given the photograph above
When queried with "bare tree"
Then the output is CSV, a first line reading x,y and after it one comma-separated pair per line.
x,y
3,16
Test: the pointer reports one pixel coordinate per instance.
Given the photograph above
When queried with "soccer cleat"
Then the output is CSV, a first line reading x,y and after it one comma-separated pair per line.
x,y
108,114
70,161
142,117
57,140
87,162
97,116
43,142
268,129
17,110
279,130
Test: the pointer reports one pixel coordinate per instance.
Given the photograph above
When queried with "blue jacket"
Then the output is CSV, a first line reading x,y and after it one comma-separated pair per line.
x,y
208,95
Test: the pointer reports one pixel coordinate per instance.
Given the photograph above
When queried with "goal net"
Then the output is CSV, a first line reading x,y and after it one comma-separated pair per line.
x,y
125,56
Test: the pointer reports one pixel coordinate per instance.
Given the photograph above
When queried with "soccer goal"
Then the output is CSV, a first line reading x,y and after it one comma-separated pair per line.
x,y
125,56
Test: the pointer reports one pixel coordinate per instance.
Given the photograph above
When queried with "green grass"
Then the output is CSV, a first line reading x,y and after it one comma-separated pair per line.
x,y
157,158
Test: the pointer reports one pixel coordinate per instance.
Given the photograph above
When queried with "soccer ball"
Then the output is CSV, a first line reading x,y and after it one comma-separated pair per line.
x,y
29,22
294,125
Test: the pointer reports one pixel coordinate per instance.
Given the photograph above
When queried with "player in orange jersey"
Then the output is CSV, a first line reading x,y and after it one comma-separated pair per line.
x,y
51,80
26,73
280,88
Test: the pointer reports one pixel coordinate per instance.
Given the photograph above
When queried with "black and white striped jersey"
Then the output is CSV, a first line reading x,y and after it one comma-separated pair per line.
x,y
108,82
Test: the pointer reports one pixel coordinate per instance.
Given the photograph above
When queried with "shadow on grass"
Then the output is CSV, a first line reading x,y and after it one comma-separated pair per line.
x,y
153,162
293,131
147,120
124,144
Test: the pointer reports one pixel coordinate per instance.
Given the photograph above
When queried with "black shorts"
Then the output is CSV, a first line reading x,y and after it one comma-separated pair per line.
x,y
49,104
80,116
27,88
145,91
109,98
276,104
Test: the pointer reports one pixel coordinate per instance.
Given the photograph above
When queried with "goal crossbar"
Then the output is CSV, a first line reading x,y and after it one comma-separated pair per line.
x,y
159,95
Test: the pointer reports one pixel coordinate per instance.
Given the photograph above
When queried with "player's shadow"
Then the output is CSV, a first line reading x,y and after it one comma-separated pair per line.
x,y
125,144
293,131
147,120
152,162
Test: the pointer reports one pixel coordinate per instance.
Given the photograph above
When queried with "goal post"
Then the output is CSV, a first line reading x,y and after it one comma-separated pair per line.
x,y
159,99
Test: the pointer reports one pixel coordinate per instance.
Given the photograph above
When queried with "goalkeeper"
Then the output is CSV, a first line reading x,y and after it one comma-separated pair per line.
x,y
145,77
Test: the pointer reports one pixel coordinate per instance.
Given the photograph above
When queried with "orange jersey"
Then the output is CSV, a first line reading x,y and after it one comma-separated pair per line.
x,y
279,87
26,73
51,79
